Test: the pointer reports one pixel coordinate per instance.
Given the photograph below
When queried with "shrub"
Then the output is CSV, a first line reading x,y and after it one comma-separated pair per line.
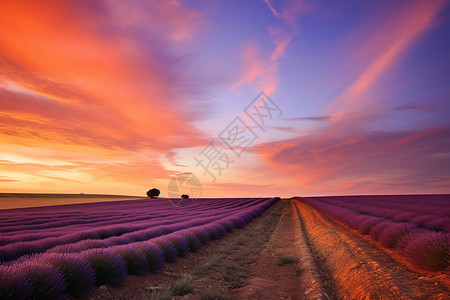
x,y
378,229
135,259
203,235
438,224
7,253
356,220
109,267
180,243
284,259
421,220
299,271
48,282
184,196
366,226
22,248
78,273
169,250
14,285
154,254
216,231
391,235
405,216
183,286
430,250
192,239
227,225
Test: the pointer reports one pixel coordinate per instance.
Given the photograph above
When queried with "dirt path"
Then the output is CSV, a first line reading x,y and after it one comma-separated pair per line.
x,y
358,268
270,278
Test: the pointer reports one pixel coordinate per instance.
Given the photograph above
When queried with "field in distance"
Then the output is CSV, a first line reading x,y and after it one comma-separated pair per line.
x,y
22,200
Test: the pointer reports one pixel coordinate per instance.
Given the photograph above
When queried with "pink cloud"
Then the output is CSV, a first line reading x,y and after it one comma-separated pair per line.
x,y
260,71
358,159
347,155
382,49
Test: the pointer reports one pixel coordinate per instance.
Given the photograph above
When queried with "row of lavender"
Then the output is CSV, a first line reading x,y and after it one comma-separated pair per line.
x,y
51,275
431,212
85,215
146,220
424,238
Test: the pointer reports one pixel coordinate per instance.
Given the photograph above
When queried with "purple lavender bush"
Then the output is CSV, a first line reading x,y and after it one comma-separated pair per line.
x,y
180,242
136,260
14,285
109,267
7,253
192,239
429,250
376,230
391,235
169,250
227,225
153,253
48,282
78,272
366,225
439,224
202,234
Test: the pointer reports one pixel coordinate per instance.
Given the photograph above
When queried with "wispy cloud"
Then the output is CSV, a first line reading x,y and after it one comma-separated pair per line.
x,y
261,71
419,107
410,159
383,49
316,118
348,154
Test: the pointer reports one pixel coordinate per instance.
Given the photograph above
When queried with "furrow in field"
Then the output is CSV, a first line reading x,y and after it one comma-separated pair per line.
x,y
359,268
316,282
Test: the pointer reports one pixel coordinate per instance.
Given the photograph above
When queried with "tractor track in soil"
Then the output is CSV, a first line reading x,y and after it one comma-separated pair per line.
x,y
317,282
358,269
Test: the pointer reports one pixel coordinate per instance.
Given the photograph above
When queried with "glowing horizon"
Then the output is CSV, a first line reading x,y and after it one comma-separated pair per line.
x,y
115,98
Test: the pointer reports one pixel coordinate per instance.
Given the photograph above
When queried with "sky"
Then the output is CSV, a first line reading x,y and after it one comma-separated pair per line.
x,y
232,98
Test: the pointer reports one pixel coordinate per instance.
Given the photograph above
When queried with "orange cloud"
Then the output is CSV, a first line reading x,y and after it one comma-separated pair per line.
x,y
259,72
97,86
59,55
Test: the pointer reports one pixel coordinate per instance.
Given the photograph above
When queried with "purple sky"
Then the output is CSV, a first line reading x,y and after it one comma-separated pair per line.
x,y
116,97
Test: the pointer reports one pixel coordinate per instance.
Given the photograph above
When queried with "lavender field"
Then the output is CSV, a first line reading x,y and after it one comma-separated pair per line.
x,y
415,226
59,251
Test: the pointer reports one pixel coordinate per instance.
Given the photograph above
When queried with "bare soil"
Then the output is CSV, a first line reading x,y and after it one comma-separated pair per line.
x,y
354,267
270,278
292,251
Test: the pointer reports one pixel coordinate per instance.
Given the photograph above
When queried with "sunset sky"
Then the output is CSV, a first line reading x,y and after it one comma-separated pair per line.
x,y
116,97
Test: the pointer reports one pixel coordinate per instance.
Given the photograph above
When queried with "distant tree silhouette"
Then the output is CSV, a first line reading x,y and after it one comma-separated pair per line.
x,y
184,196
153,193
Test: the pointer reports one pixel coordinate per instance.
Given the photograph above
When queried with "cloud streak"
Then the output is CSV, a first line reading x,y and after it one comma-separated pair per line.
x,y
348,155
260,70
384,48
